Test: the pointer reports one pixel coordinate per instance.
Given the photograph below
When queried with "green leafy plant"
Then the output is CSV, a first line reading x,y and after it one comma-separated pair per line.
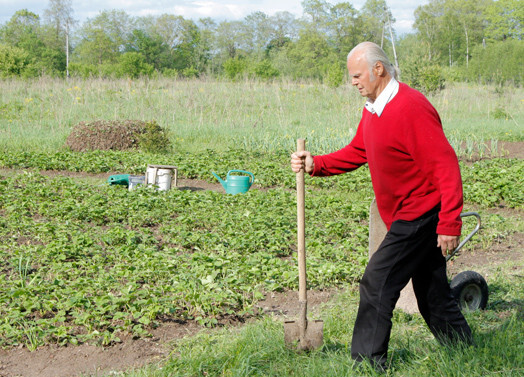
x,y
265,70
235,67
500,113
334,76
154,138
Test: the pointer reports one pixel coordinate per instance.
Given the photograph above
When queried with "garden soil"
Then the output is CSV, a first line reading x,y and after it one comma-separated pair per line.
x,y
90,360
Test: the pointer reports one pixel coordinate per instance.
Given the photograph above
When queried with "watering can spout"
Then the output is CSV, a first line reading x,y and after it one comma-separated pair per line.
x,y
222,182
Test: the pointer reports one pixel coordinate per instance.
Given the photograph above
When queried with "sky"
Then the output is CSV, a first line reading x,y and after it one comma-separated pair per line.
x,y
402,10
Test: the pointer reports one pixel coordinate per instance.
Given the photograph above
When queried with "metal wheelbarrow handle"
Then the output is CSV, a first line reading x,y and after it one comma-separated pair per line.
x,y
468,237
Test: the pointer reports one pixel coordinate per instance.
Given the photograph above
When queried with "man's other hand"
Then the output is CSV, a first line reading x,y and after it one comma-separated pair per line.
x,y
447,243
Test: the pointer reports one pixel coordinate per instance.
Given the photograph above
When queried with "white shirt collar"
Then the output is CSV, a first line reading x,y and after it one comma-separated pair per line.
x,y
390,91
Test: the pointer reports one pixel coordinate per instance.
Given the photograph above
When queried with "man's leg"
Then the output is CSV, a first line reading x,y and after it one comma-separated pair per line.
x,y
387,272
435,301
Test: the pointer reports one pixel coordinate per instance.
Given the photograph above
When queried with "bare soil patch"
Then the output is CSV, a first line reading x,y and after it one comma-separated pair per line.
x,y
512,149
506,149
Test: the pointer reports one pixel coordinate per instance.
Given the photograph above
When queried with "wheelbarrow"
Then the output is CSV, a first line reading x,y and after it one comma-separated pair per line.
x,y
469,287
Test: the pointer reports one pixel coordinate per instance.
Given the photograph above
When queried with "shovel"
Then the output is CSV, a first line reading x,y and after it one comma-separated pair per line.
x,y
302,334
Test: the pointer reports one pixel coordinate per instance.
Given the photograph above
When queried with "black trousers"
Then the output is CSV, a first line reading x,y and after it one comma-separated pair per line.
x,y
409,250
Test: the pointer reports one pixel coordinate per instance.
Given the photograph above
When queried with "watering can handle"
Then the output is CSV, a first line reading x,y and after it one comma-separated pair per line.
x,y
242,171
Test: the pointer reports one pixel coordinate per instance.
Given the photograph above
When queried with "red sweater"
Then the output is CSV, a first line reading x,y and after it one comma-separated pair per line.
x,y
413,167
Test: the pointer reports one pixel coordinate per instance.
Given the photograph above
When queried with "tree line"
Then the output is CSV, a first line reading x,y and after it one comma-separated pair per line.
x,y
478,40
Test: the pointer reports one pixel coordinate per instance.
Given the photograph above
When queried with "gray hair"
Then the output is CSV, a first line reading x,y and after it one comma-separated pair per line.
x,y
373,54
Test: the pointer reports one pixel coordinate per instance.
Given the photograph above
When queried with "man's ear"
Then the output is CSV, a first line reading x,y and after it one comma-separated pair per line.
x,y
378,69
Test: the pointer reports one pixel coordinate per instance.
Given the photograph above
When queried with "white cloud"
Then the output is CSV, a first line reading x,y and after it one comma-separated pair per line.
x,y
213,9
194,9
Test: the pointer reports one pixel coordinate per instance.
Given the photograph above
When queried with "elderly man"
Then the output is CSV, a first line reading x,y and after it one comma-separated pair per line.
x,y
418,188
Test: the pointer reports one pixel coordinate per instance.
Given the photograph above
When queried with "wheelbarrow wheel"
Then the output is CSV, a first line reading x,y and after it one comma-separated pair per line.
x,y
470,290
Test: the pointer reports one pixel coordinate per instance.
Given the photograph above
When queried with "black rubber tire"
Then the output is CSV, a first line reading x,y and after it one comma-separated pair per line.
x,y
471,291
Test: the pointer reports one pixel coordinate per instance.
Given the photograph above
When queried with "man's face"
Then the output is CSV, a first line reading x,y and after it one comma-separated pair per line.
x,y
361,77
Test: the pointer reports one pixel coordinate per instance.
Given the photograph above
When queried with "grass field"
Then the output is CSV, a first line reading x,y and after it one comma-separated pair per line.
x,y
220,115
82,261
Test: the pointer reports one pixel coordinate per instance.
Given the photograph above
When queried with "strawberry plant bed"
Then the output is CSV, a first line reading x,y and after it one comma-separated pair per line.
x,y
88,264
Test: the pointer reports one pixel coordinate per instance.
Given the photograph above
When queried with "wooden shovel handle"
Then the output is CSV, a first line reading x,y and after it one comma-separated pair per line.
x,y
301,234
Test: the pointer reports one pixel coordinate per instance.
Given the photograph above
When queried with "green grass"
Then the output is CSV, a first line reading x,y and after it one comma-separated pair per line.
x,y
258,349
259,116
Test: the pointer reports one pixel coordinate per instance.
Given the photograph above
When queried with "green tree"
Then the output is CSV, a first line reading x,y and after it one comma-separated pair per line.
x,y
103,38
498,62
284,29
309,57
340,24
450,28
182,38
202,50
152,48
228,39
317,13
24,31
59,14
171,29
345,27
376,17
469,19
257,33
428,25
505,19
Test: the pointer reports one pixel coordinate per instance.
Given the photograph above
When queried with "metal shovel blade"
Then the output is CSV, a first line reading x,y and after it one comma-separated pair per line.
x,y
313,335
304,334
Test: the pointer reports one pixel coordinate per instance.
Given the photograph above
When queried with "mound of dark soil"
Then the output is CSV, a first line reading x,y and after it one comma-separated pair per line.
x,y
106,135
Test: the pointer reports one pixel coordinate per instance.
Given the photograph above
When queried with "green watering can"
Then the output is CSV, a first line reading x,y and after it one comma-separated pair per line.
x,y
119,179
236,184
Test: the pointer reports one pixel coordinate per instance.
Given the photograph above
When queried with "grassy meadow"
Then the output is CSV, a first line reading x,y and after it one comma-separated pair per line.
x,y
249,114
82,261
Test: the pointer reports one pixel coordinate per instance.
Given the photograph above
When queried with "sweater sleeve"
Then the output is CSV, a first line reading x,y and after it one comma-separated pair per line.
x,y
344,160
436,159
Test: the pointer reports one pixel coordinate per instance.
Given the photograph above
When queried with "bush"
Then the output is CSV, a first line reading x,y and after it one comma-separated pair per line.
x,y
500,113
497,63
334,76
190,72
234,67
133,65
423,75
13,61
83,70
154,138
265,70
170,72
